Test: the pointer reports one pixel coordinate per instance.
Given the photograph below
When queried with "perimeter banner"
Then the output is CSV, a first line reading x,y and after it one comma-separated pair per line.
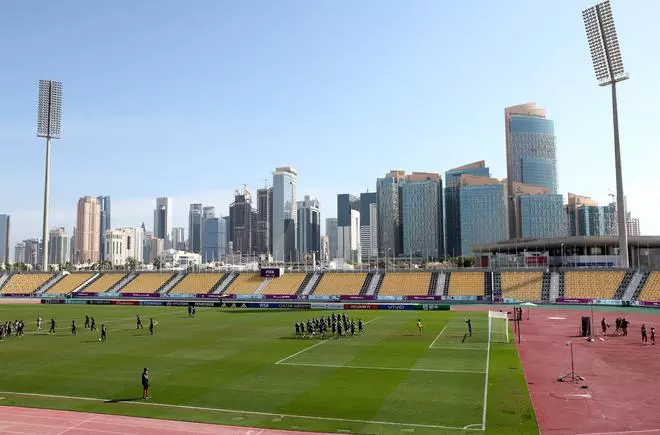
x,y
360,306
574,301
52,301
358,298
84,294
141,295
650,304
280,296
422,298
115,302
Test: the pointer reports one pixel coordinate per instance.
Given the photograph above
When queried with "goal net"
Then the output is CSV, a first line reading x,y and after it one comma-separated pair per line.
x,y
498,327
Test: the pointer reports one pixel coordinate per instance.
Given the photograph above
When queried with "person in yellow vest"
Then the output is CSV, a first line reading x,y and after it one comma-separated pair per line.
x,y
420,326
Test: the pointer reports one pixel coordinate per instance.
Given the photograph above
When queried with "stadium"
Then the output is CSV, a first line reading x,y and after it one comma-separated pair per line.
x,y
238,361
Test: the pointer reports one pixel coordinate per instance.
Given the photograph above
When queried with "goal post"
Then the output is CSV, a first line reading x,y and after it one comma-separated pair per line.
x,y
498,327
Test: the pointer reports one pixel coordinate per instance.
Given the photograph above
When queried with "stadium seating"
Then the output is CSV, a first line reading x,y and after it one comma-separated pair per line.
x,y
405,283
347,283
466,284
25,283
197,283
591,284
286,284
104,282
244,284
69,283
146,283
522,286
651,290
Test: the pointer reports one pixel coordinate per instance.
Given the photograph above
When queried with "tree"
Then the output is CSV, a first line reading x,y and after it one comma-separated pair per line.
x,y
130,263
67,266
157,263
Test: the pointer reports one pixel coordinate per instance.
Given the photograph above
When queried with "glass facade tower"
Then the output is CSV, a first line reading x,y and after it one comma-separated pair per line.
x,y
284,205
483,215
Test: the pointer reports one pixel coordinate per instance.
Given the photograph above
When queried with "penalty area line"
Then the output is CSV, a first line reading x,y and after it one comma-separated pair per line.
x,y
239,411
436,338
405,369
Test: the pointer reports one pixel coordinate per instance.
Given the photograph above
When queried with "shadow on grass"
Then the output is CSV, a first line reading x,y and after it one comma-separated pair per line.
x,y
129,399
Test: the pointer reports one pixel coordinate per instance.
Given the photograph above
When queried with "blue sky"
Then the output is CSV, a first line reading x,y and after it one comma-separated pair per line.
x,y
194,99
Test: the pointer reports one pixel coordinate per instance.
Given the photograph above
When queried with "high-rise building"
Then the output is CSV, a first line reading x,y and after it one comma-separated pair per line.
x,y
453,206
531,153
59,249
421,215
72,246
241,222
208,212
586,218
178,238
539,214
214,239
332,234
33,251
123,244
88,235
105,222
309,227
389,214
146,247
348,228
283,225
4,238
157,248
195,217
483,203
19,252
632,226
163,221
264,242
325,249
369,226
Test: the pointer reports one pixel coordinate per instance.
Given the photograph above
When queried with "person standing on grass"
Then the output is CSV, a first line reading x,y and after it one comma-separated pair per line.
x,y
469,324
52,326
86,321
139,323
151,326
145,384
73,327
420,326
39,320
104,332
93,325
644,338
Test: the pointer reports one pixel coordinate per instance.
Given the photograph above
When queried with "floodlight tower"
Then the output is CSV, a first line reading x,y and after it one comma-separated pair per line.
x,y
608,66
49,119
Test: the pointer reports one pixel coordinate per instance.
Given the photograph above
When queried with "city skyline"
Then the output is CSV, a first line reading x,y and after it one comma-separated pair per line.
x,y
418,105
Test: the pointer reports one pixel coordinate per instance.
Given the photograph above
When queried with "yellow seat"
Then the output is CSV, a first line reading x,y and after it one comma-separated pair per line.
x,y
522,286
591,284
651,290
25,283
146,283
338,283
197,283
104,282
286,284
405,283
466,284
69,283
245,284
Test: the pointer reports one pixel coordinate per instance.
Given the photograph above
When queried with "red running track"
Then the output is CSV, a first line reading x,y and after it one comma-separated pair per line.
x,y
28,421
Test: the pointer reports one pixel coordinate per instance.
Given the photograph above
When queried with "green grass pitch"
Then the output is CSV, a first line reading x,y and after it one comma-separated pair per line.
x,y
246,368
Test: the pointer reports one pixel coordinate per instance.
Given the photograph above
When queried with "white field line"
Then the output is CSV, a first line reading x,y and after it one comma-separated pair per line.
x,y
483,419
436,338
405,369
314,345
77,425
460,348
238,411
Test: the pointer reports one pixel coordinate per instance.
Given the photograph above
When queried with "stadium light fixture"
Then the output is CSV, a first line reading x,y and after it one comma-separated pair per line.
x,y
49,120
608,66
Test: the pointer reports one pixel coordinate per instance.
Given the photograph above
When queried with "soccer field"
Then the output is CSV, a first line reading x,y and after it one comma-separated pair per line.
x,y
247,368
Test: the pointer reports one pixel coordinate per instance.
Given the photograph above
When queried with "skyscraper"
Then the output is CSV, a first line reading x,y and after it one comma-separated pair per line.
x,y
453,206
283,225
33,251
586,218
19,252
59,248
105,223
214,239
389,214
88,235
241,223
348,228
178,239
539,214
195,228
421,215
369,225
163,221
309,227
483,203
332,233
531,154
264,243
4,238
208,212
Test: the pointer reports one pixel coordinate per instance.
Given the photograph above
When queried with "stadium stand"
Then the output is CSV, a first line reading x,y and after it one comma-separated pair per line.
x,y
405,283
651,290
147,283
25,283
104,282
591,284
303,284
287,284
69,283
197,283
466,284
521,286
338,283
433,283
244,284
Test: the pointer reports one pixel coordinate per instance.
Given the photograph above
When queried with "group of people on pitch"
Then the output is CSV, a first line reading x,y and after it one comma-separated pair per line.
x,y
337,323
6,328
